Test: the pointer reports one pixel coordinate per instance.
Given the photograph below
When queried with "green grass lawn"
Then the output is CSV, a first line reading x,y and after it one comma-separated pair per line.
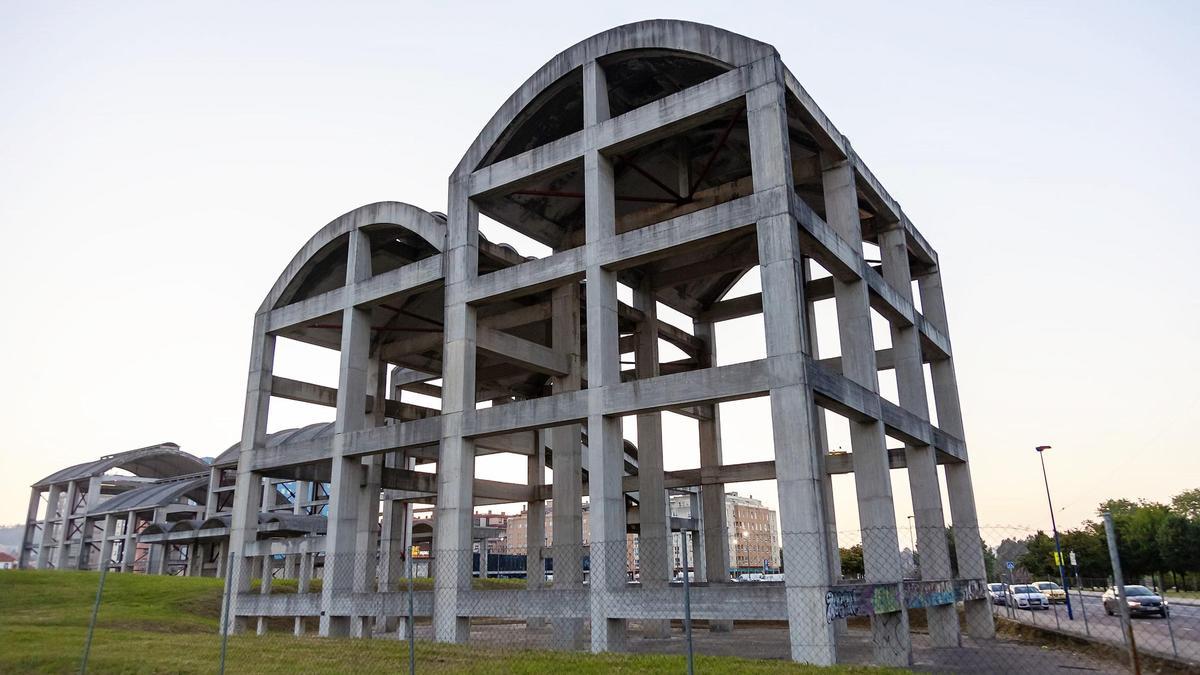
x,y
157,624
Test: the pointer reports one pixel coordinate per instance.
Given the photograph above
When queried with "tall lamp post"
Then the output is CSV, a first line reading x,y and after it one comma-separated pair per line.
x,y
1062,570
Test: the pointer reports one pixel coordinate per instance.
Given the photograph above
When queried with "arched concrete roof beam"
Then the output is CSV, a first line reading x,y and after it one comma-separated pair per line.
x,y
430,228
707,42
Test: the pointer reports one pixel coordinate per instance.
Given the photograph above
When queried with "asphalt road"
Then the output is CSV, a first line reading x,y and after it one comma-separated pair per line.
x,y
1152,634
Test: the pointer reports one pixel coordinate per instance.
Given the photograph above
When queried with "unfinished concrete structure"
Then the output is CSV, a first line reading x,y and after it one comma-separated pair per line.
x,y
670,158
91,512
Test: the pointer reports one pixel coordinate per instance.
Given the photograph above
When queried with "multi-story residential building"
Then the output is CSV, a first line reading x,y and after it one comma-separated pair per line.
x,y
751,527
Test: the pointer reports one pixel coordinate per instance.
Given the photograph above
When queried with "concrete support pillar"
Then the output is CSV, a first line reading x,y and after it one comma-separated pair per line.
x,y
159,553
265,576
715,532
797,467
367,538
194,560
960,491
28,546
920,459
303,581
222,558
49,528
566,444
606,448
535,525
86,527
653,544
872,473
106,543
129,548
456,459
247,496
348,473
62,553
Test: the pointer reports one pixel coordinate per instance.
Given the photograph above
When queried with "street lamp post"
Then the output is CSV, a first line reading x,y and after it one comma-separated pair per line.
x,y
1062,570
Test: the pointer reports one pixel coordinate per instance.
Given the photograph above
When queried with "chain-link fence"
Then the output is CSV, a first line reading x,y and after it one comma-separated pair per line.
x,y
936,599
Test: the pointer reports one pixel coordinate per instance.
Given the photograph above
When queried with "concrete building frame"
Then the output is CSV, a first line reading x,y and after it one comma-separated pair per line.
x,y
670,158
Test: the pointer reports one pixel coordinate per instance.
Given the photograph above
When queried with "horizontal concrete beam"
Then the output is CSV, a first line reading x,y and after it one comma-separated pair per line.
x,y
522,352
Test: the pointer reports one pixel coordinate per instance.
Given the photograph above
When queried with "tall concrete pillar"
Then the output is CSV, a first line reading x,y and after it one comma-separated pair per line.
x,y
566,444
606,447
821,443
535,525
265,576
31,516
715,533
960,491
653,543
247,496
49,526
348,473
456,455
797,468
872,471
106,544
62,553
920,459
129,547
303,581
367,537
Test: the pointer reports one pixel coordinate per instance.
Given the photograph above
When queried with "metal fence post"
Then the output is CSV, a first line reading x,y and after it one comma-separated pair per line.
x,y
1119,581
687,601
1082,604
412,623
87,644
230,559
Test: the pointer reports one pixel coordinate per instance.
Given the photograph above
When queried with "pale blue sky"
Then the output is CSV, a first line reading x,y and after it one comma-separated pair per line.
x,y
160,163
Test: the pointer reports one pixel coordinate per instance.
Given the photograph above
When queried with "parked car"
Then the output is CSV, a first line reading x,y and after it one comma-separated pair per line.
x,y
1142,601
1025,596
998,593
1052,591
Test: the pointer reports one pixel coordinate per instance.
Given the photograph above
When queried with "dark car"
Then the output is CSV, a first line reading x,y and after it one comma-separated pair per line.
x,y
1142,601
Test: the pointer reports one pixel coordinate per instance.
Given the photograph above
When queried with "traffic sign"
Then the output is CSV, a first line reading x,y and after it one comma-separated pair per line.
x,y
1010,565
1074,563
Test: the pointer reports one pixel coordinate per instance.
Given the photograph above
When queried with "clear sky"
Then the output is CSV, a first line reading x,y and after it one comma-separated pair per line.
x,y
161,162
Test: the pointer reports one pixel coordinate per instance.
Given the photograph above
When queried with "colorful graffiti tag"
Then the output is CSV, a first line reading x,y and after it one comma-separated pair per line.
x,y
842,602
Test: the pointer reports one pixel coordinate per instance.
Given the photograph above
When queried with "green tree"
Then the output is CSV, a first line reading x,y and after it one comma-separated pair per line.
x,y
852,561
1187,504
1039,556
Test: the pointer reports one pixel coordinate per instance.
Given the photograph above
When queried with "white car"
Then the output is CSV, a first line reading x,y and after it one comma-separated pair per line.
x,y
997,592
1024,596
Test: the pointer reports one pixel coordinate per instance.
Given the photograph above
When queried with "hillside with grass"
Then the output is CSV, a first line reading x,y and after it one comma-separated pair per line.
x,y
159,624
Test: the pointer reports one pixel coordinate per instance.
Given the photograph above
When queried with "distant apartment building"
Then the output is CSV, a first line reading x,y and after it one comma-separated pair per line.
x,y
751,527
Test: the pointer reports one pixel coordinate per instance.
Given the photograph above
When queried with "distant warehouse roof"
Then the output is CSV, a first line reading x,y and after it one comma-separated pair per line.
x,y
155,495
164,460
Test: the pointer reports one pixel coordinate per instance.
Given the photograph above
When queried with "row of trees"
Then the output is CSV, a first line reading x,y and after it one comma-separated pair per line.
x,y
1153,540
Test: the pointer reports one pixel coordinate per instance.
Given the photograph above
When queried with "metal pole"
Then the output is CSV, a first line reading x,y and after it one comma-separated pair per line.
x,y
412,623
87,644
230,561
1119,582
1062,570
687,601
1082,605
1170,630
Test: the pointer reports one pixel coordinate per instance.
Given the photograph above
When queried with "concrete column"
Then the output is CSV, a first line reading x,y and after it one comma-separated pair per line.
x,y
367,544
264,589
715,533
62,553
49,523
960,491
129,549
456,458
347,474
606,447
535,525
222,558
872,473
195,560
106,544
86,527
797,468
31,517
653,544
920,459
247,496
158,558
566,444
303,581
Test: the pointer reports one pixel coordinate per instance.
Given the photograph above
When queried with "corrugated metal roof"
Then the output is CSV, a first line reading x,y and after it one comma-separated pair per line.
x,y
164,460
150,496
